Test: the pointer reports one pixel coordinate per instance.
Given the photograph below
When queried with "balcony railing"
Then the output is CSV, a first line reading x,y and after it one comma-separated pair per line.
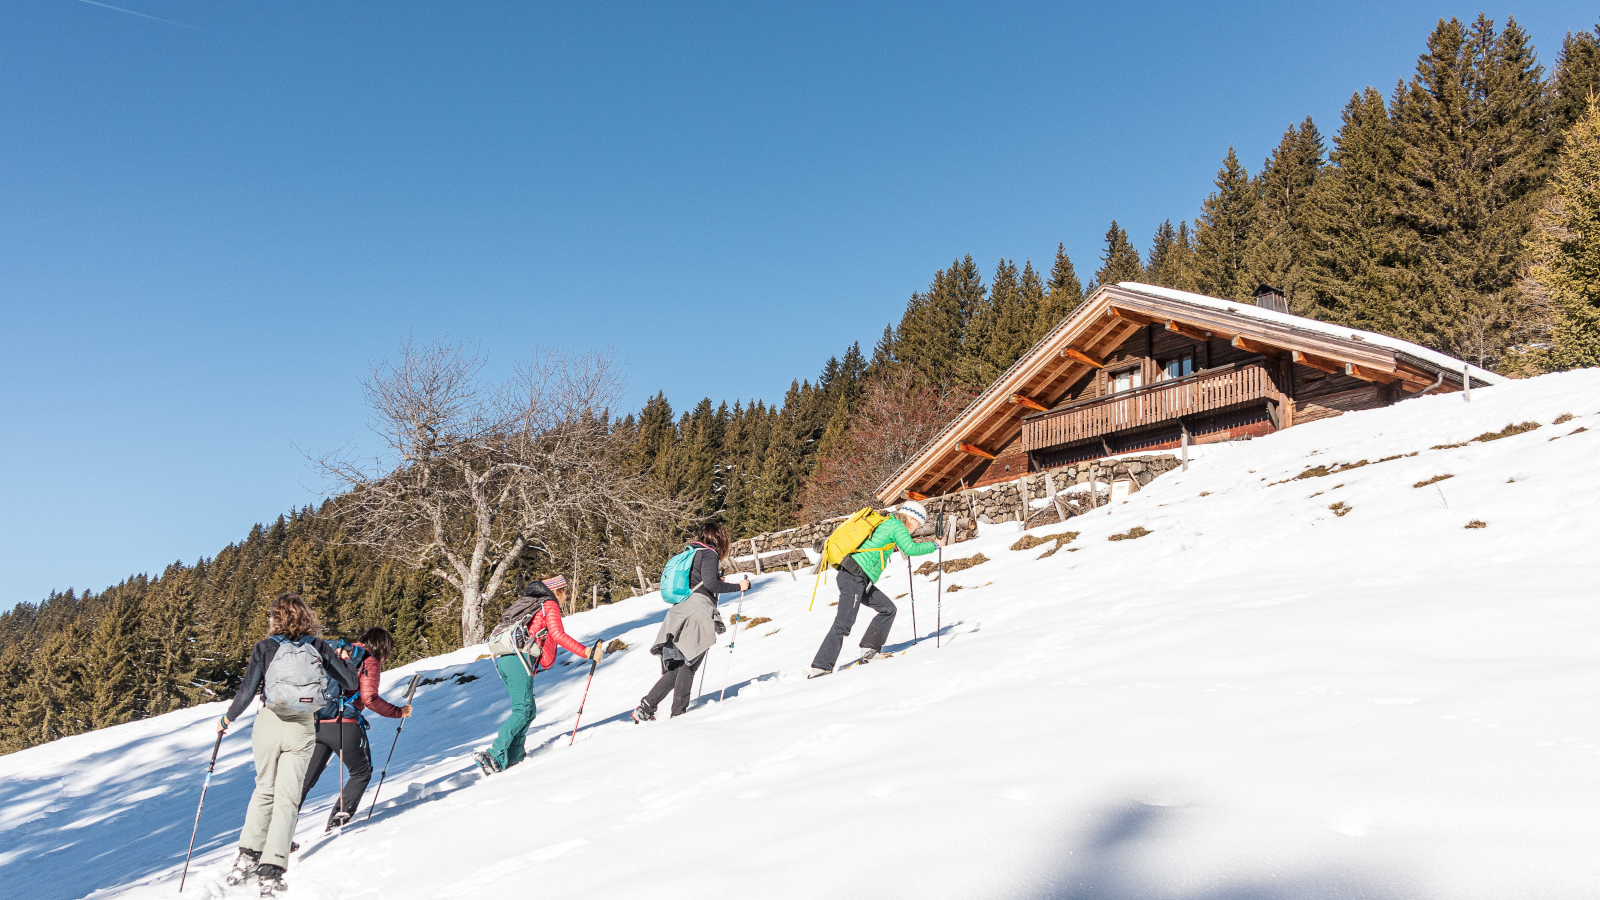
x,y
1165,401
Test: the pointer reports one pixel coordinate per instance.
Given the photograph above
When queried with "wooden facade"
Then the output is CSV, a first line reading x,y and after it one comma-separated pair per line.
x,y
1136,368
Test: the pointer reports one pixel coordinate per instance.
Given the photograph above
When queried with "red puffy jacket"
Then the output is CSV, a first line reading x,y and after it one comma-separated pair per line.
x,y
367,697
548,618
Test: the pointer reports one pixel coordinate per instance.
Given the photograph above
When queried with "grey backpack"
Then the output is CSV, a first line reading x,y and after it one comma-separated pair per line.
x,y
296,684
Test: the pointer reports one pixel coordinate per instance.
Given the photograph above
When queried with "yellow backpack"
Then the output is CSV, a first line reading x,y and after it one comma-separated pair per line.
x,y
845,540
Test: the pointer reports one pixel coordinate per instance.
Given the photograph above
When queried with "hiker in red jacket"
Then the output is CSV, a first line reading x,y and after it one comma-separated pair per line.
x,y
544,633
342,729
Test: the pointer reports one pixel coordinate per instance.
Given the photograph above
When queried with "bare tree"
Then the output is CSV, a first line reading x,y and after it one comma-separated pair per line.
x,y
898,416
475,477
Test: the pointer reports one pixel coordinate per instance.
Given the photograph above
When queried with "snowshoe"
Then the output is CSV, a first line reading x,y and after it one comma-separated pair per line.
x,y
867,655
486,762
337,820
641,715
244,865
270,878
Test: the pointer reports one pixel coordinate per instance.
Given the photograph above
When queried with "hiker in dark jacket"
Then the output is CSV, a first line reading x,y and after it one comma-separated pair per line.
x,y
281,743
691,626
342,729
546,633
858,577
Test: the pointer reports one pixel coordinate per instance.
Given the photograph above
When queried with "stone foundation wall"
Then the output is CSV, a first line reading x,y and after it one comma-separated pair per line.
x,y
987,505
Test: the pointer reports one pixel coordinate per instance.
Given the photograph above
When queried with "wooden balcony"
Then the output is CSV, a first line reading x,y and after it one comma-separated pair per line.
x,y
1213,390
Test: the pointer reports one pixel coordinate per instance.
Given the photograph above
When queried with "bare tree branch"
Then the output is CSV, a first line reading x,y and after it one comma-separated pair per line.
x,y
475,477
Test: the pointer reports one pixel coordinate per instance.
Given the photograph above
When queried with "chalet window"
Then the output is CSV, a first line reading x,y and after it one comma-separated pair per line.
x,y
1126,379
1177,367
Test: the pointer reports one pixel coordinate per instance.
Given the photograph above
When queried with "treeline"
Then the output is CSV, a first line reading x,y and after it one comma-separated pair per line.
x,y
148,646
1461,211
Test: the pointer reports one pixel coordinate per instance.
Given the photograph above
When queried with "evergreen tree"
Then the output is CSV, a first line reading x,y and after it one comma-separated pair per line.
x,y
1473,126
1223,233
56,702
1172,259
999,330
932,332
1120,262
1577,78
1277,250
1032,293
112,690
1565,248
884,353
782,467
1062,294
1352,247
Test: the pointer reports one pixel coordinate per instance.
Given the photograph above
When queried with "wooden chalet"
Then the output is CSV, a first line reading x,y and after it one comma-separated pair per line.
x,y
1137,368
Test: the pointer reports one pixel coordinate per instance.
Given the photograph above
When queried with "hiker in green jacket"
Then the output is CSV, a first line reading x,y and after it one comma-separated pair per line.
x,y
858,576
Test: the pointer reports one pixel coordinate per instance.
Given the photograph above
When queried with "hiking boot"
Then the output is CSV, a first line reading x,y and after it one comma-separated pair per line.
x,y
337,820
867,655
270,878
486,762
818,673
243,866
642,715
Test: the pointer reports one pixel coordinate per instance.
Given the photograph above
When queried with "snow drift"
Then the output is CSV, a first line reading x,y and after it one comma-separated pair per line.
x,y
1315,676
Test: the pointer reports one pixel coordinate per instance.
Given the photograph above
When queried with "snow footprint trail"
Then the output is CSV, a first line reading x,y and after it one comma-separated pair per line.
x,y
1211,710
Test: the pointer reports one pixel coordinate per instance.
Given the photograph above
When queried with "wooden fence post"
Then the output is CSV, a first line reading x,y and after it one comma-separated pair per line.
x,y
1055,498
644,583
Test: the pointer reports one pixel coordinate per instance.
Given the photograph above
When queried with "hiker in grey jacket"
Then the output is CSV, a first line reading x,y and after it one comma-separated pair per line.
x,y
691,626
282,744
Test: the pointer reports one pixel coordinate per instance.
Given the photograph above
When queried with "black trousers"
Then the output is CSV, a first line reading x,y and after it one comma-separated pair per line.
x,y
855,591
349,740
676,676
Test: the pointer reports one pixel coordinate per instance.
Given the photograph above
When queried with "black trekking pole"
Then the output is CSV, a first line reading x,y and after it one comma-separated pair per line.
x,y
938,612
402,724
731,641
203,788
912,581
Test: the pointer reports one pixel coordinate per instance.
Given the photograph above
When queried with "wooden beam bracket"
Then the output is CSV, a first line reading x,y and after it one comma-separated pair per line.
x,y
1029,402
1321,364
973,450
1367,374
1250,345
1128,315
1188,331
1082,357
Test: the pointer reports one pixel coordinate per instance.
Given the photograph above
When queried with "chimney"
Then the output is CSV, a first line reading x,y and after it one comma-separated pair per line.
x,y
1271,298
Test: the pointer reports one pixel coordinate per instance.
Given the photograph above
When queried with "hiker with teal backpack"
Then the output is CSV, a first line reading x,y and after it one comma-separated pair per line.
x,y
524,644
691,582
860,567
295,673
341,727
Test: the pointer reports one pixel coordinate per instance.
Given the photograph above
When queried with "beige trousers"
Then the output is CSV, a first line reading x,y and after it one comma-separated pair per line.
x,y
283,751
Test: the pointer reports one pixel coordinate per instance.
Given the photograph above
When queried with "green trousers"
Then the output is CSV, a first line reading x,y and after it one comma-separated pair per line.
x,y
507,749
282,750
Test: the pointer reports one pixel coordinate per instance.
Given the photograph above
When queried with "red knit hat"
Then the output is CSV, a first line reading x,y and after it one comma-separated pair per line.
x,y
555,582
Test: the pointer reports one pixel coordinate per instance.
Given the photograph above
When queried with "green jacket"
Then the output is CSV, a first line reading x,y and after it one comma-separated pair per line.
x,y
891,533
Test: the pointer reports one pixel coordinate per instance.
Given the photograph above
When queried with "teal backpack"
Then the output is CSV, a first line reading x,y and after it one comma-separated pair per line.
x,y
675,575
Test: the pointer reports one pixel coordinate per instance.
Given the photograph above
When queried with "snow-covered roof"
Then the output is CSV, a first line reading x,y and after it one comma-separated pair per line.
x,y
1293,321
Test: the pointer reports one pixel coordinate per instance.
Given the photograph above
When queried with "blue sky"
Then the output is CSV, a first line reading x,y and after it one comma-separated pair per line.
x,y
211,225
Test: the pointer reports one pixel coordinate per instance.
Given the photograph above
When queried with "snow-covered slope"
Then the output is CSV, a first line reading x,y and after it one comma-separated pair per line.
x,y
1262,698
